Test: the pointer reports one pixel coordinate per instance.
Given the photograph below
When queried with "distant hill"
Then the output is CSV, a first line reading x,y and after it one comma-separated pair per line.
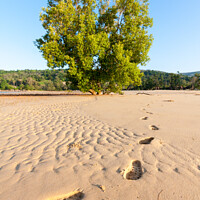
x,y
191,73
57,80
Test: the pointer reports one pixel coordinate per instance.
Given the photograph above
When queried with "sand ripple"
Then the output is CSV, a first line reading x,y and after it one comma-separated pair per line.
x,y
48,147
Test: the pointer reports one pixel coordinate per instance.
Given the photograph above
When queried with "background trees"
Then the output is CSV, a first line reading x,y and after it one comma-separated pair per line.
x,y
57,80
33,80
196,81
100,42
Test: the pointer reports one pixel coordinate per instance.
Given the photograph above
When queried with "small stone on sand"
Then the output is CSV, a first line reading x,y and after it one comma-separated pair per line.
x,y
102,187
144,118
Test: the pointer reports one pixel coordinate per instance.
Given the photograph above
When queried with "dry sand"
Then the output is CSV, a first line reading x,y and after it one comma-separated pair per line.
x,y
50,146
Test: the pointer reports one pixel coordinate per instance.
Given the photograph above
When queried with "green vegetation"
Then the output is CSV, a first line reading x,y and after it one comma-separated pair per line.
x,y
101,43
153,80
57,80
34,80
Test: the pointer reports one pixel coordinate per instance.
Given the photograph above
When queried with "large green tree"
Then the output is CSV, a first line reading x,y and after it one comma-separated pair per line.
x,y
101,42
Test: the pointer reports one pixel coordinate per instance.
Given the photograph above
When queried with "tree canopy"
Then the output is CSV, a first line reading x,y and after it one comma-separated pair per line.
x,y
101,43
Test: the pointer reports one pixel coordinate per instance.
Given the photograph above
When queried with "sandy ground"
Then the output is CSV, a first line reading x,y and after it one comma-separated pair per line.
x,y
50,146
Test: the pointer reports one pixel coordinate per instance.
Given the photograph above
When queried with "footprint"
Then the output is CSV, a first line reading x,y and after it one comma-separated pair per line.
x,y
146,140
75,195
17,167
134,171
176,170
149,113
168,100
143,93
153,127
144,118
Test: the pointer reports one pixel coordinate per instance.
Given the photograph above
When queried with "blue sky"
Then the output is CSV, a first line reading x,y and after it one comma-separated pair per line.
x,y
176,29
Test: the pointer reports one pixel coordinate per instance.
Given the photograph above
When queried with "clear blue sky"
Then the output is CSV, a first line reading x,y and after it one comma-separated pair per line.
x,y
176,29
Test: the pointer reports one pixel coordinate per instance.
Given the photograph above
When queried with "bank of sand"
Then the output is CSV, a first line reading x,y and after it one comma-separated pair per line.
x,y
52,145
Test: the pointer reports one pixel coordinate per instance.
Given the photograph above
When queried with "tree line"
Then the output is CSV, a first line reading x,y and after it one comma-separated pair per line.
x,y
49,80
156,80
57,80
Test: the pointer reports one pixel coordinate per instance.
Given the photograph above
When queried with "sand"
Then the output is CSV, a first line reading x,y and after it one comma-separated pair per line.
x,y
50,146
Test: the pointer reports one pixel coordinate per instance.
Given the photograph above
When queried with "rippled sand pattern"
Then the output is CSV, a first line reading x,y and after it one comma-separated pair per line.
x,y
47,147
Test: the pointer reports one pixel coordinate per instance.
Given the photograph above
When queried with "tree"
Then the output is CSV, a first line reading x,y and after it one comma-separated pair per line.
x,y
49,85
197,86
3,84
100,42
175,81
195,81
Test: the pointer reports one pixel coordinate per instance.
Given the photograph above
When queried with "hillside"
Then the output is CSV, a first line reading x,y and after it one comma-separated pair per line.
x,y
57,80
191,73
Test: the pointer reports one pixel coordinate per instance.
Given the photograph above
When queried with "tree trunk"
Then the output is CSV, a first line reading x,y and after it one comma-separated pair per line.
x,y
99,92
92,92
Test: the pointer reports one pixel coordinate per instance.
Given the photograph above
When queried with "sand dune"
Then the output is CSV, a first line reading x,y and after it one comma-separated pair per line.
x,y
50,146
